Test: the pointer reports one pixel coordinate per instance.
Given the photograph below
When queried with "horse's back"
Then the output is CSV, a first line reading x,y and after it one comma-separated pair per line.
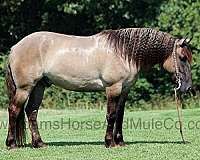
x,y
48,53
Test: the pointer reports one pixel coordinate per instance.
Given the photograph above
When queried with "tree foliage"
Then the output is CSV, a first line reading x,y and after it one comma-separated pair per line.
x,y
85,17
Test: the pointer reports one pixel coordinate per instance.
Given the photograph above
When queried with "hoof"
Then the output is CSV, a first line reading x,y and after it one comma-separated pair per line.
x,y
11,144
119,140
109,143
121,144
39,144
12,147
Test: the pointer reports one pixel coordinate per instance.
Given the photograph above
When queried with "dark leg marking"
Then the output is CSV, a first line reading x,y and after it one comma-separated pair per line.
x,y
111,117
118,135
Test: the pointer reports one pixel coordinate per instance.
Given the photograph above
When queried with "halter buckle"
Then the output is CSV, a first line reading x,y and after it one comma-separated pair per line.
x,y
179,84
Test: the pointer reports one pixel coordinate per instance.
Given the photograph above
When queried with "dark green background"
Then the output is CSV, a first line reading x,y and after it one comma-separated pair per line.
x,y
154,90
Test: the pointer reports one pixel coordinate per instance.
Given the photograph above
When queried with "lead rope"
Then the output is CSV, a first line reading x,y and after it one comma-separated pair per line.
x,y
178,101
180,114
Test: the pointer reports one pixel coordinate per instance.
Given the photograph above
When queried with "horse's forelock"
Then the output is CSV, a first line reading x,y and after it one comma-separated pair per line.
x,y
187,53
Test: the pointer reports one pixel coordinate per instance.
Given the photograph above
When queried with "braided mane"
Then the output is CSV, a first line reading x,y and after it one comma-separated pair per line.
x,y
143,46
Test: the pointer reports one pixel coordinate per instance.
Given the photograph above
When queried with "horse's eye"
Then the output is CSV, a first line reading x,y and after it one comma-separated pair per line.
x,y
183,45
183,59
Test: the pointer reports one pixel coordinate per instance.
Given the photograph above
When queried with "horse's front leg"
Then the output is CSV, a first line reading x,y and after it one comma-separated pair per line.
x,y
118,135
112,94
32,107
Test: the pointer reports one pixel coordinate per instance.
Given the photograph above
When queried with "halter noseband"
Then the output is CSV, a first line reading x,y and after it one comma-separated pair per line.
x,y
178,79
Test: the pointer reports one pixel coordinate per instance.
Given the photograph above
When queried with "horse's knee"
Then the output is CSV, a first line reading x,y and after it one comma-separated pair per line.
x,y
20,97
114,90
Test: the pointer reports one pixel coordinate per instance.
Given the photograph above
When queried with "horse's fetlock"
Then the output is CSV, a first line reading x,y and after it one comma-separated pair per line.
x,y
111,117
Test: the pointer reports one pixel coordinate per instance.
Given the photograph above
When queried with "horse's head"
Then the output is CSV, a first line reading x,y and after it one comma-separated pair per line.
x,y
179,63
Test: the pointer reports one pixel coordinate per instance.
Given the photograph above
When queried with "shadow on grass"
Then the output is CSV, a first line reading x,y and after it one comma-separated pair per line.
x,y
102,143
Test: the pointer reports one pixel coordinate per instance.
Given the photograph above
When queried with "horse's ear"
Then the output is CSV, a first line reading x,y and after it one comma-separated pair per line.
x,y
186,51
181,42
188,40
184,41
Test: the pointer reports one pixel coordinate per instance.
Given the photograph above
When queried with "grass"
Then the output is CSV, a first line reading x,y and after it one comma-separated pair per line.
x,y
82,136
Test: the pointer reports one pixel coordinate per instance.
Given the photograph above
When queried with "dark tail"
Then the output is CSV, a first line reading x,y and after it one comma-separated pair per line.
x,y
20,121
11,87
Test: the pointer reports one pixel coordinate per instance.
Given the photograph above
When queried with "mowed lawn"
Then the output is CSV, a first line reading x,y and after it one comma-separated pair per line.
x,y
79,134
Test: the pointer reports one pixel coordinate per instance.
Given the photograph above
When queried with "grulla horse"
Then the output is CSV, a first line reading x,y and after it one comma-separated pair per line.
x,y
108,61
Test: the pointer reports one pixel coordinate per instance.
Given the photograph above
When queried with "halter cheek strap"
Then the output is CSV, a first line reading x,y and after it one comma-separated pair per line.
x,y
178,79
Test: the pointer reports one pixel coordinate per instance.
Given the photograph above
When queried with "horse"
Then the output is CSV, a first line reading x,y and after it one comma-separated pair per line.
x,y
108,61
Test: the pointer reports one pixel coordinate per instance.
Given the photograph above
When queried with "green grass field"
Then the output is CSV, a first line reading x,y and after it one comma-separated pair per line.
x,y
79,134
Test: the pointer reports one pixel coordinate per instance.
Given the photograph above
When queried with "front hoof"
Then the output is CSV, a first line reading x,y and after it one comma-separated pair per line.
x,y
119,140
39,144
109,143
121,144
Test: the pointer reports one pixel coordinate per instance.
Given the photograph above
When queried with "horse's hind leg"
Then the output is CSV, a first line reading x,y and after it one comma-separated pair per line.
x,y
32,107
17,99
16,129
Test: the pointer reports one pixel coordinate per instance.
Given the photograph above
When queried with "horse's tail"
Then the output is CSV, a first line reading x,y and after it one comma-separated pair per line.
x,y
20,121
11,87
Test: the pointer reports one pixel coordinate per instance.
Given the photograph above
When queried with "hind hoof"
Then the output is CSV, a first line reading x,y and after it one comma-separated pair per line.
x,y
12,146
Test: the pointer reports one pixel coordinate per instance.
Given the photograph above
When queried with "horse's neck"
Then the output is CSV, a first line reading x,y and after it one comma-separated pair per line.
x,y
152,58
